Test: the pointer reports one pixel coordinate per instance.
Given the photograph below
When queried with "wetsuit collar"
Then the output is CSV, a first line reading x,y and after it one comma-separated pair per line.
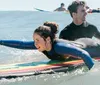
x,y
78,25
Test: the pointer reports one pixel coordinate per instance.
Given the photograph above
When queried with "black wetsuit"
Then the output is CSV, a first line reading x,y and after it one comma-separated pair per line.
x,y
85,30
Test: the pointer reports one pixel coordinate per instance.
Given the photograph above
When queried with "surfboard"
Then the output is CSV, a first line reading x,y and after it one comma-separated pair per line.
x,y
41,10
40,67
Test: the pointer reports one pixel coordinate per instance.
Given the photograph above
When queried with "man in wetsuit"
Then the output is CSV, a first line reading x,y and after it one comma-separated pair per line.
x,y
79,28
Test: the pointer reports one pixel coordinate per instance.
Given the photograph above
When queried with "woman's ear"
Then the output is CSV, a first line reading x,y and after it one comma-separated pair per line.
x,y
48,39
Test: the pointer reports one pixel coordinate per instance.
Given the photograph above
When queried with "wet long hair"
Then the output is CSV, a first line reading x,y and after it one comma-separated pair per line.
x,y
48,29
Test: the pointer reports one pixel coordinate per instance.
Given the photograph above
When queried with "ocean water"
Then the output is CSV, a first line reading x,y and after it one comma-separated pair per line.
x,y
20,25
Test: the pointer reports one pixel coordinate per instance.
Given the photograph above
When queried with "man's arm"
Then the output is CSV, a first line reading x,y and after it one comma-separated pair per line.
x,y
97,35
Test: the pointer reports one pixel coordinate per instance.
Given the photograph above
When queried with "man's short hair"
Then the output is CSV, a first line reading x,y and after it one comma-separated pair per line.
x,y
62,4
74,6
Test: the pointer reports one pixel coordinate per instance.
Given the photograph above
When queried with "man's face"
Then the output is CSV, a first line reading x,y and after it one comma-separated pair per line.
x,y
81,13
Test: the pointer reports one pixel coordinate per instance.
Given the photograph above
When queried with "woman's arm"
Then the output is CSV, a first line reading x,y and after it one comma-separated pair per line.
x,y
18,44
74,51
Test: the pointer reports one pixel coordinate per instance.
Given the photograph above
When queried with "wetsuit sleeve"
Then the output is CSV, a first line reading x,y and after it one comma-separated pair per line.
x,y
62,49
97,35
18,44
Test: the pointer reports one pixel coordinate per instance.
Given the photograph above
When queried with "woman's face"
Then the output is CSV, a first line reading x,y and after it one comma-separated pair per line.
x,y
40,43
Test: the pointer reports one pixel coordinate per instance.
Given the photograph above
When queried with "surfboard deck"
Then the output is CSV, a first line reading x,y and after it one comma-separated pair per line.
x,y
39,67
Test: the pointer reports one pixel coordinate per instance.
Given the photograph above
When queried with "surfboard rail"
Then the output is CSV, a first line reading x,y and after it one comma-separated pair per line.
x,y
41,67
